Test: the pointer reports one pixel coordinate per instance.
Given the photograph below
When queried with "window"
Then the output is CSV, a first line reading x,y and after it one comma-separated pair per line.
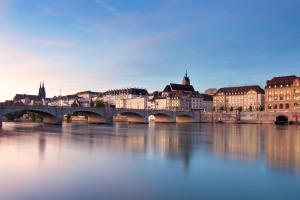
x,y
269,106
287,106
281,98
275,106
281,106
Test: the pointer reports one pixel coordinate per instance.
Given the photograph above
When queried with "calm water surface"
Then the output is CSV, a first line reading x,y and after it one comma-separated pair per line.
x,y
155,161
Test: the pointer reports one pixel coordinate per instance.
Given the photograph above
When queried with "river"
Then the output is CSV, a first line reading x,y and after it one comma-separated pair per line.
x,y
149,161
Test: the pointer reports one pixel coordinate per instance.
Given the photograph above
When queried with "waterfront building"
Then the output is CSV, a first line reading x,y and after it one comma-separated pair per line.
x,y
132,103
242,98
202,102
179,95
67,101
283,94
87,98
111,96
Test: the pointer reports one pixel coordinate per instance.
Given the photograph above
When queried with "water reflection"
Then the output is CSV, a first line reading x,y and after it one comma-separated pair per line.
x,y
278,147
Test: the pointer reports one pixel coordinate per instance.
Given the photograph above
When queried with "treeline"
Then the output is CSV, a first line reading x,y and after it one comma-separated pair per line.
x,y
35,117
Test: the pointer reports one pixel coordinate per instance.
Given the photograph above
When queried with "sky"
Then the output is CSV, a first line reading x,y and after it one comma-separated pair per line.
x,y
77,45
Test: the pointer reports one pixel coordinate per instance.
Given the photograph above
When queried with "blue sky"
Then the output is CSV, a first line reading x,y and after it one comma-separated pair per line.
x,y
76,45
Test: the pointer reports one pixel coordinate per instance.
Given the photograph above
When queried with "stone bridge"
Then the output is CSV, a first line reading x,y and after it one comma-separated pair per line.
x,y
55,115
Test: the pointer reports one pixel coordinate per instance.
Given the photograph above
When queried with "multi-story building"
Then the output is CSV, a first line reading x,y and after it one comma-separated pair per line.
x,y
283,94
243,98
111,96
179,95
87,98
68,101
133,103
202,102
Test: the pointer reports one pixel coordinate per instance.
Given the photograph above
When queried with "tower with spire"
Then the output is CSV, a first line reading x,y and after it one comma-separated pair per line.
x,y
42,91
186,79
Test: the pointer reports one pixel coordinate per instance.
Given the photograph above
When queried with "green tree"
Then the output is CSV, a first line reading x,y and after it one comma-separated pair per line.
x,y
99,103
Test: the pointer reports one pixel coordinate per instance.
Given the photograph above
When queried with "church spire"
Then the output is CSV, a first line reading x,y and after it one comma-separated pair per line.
x,y
186,79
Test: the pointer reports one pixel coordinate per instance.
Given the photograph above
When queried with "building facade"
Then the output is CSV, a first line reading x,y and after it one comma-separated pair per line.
x,y
283,94
110,97
202,102
246,98
178,96
132,103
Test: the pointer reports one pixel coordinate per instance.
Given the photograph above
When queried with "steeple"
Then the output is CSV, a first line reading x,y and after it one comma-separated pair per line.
x,y
186,79
42,91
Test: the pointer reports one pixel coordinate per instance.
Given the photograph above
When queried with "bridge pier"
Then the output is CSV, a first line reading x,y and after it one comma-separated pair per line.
x,y
52,120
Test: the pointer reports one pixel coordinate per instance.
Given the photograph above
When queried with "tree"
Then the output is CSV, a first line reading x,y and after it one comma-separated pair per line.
x,y
99,103
250,108
240,109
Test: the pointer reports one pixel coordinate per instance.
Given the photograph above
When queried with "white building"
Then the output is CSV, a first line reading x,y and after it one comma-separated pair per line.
x,y
110,97
133,103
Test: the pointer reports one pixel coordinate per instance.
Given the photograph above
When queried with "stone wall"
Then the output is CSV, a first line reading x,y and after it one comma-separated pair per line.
x,y
248,117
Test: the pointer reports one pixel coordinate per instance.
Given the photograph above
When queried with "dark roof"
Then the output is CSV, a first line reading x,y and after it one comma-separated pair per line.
x,y
179,87
67,97
283,80
241,89
19,97
88,92
134,91
207,97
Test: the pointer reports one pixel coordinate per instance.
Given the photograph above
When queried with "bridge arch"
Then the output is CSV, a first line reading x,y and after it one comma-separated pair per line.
x,y
93,116
282,119
159,117
131,116
184,118
48,115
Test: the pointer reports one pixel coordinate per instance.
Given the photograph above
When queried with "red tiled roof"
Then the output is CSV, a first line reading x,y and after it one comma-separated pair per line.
x,y
283,80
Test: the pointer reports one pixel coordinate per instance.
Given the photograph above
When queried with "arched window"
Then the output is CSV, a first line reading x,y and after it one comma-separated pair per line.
x,y
287,106
275,106
281,106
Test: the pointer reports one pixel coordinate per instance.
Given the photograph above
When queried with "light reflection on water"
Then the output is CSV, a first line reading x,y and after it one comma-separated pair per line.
x,y
155,161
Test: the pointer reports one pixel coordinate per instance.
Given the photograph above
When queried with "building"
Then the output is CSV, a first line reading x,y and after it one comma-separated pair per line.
x,y
87,98
25,99
67,101
202,102
178,96
242,98
157,102
133,103
111,96
283,94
